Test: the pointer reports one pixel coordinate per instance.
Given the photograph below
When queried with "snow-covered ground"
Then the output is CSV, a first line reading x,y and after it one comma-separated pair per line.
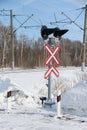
x,y
25,108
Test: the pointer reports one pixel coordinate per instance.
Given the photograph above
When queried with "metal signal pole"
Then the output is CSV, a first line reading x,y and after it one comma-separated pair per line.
x,y
12,40
49,86
84,39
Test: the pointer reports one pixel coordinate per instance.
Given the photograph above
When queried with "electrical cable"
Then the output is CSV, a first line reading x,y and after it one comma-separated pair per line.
x,y
22,23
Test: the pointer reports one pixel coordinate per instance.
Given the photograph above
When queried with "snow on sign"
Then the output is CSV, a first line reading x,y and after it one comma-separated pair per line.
x,y
52,54
51,57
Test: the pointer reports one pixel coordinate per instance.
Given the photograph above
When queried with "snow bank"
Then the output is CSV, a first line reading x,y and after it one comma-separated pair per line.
x,y
67,79
19,98
74,101
32,85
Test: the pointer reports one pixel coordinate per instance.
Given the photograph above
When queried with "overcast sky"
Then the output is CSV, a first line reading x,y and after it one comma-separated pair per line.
x,y
45,11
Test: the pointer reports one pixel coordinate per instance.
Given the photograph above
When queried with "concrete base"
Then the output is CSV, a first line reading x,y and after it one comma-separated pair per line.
x,y
49,103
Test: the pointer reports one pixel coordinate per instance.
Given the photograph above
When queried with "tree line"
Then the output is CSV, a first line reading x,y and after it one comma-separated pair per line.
x,y
30,53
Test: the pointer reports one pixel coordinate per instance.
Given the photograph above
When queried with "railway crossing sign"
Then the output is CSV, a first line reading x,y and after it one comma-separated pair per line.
x,y
51,69
57,33
51,57
52,53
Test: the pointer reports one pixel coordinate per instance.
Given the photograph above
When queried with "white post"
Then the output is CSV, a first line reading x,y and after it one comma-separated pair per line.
x,y
9,101
59,104
9,104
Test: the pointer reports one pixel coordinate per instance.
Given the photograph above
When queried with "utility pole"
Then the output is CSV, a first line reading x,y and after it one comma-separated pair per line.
x,y
12,31
84,39
12,40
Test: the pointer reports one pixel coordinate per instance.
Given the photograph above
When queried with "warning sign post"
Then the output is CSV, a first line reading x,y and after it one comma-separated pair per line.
x,y
51,68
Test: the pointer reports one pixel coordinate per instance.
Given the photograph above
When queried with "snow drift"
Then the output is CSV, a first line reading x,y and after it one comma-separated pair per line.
x,y
72,82
74,101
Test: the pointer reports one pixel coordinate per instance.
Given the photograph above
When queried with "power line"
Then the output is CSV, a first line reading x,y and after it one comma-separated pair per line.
x,y
69,20
72,21
11,15
78,15
27,27
22,23
17,20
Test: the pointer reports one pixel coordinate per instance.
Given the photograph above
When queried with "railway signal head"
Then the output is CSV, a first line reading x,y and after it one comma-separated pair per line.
x,y
58,33
45,32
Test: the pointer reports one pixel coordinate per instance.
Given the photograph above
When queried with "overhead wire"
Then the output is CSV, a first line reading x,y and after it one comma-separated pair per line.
x,y
78,15
63,21
69,20
72,21
17,20
23,23
27,26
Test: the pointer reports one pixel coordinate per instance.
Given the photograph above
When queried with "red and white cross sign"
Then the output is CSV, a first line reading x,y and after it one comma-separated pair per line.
x,y
52,53
50,58
51,69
